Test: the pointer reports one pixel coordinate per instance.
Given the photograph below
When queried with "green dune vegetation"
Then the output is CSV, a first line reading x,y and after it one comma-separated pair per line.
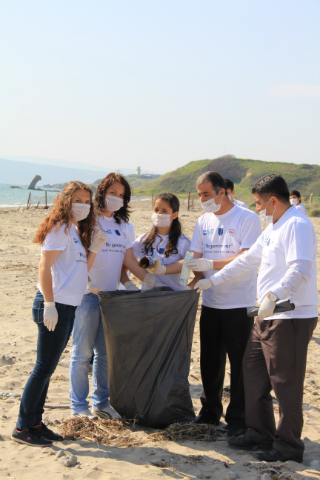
x,y
244,173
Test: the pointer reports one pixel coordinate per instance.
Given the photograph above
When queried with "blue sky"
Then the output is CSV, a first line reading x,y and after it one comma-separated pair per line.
x,y
159,83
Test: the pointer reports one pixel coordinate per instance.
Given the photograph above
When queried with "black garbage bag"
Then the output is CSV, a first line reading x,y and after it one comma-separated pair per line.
x,y
149,338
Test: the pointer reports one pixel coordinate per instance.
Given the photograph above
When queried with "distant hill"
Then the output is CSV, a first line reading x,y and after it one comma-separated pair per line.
x,y
136,180
243,172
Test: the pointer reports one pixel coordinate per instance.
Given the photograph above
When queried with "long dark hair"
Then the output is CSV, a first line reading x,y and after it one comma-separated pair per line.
x,y
62,213
175,229
100,196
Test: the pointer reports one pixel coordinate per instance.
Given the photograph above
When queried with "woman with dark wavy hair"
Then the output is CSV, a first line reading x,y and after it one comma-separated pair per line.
x,y
69,244
111,201
165,241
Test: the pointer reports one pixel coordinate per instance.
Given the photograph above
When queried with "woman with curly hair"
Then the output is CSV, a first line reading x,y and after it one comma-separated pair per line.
x,y
111,201
165,241
69,243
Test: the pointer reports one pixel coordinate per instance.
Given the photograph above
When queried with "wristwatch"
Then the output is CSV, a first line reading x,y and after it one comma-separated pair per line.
x,y
273,297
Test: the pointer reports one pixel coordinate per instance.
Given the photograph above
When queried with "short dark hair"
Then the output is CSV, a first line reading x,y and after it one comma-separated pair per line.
x,y
272,185
296,193
229,184
215,178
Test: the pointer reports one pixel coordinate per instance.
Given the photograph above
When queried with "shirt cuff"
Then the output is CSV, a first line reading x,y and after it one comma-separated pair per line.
x,y
281,292
216,278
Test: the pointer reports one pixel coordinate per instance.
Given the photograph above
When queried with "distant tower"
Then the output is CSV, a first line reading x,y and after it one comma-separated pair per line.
x,y
138,171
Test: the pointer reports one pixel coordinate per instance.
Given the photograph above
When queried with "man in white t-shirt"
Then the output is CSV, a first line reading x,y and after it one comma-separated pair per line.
x,y
295,199
221,234
231,192
276,353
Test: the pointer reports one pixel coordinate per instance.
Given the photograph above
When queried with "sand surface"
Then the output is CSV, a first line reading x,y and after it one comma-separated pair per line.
x,y
19,259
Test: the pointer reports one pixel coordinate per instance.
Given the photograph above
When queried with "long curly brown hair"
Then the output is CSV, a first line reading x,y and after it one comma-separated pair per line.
x,y
100,196
175,229
62,214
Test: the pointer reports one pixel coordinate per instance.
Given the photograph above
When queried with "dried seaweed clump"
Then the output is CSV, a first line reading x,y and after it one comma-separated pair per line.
x,y
190,431
103,432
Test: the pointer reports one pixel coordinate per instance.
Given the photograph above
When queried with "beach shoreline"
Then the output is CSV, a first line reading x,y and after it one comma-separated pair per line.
x,y
19,258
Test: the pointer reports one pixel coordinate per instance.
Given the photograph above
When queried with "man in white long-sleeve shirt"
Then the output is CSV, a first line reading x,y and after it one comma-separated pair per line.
x,y
276,352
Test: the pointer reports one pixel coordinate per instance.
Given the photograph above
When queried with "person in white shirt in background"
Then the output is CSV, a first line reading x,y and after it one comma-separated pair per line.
x,y
295,199
276,353
69,243
231,192
220,235
165,241
111,202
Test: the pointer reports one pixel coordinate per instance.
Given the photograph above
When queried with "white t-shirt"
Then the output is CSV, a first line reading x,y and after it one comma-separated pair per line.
x,y
290,239
224,236
106,269
132,236
69,271
301,209
240,204
159,247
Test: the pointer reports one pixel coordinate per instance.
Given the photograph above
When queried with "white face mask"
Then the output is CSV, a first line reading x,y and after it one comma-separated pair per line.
x,y
294,201
264,217
113,204
230,197
210,206
161,219
80,211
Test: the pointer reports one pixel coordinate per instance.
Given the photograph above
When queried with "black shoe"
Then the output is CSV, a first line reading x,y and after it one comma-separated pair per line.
x,y
206,417
30,437
232,430
45,432
274,456
247,444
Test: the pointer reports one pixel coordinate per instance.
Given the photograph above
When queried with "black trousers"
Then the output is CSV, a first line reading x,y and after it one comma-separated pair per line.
x,y
276,358
223,332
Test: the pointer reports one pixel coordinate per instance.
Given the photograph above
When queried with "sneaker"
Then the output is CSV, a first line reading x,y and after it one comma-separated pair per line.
x,y
108,413
85,413
45,432
31,437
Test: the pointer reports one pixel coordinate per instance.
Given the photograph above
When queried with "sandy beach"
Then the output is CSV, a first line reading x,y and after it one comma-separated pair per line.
x,y
19,259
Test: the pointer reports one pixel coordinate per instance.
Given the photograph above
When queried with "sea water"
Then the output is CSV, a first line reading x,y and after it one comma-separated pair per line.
x,y
16,197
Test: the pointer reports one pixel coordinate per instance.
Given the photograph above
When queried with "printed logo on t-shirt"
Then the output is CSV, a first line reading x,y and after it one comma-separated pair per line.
x,y
161,251
125,235
118,233
76,240
82,257
109,232
268,241
220,231
231,232
204,232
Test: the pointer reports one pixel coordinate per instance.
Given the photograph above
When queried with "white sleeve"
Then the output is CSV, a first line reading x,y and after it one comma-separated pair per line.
x,y
185,246
131,231
247,261
297,274
56,239
196,243
251,230
300,244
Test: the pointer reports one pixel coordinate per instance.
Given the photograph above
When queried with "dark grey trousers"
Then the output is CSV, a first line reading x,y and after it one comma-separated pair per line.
x,y
275,358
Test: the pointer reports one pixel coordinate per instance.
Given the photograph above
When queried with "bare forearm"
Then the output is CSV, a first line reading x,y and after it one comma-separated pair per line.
x,y
90,259
174,267
197,276
45,279
135,269
124,275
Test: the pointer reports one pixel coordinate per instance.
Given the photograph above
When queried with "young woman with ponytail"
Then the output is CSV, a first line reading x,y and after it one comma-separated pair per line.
x,y
165,241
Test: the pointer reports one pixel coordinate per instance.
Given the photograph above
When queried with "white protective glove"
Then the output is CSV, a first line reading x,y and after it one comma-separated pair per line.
x,y
131,286
50,316
159,269
203,284
148,282
93,288
266,308
199,264
99,238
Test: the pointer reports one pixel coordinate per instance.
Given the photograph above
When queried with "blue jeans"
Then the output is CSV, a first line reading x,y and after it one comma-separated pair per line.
x,y
49,349
88,339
